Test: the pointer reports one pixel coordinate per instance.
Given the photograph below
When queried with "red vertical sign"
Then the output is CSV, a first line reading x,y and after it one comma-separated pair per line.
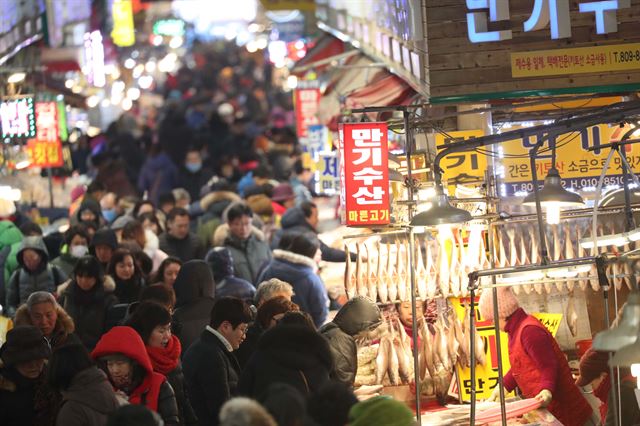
x,y
45,150
366,173
307,100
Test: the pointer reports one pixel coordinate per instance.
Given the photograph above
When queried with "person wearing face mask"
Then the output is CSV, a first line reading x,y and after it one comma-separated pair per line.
x,y
193,176
76,245
87,297
25,397
152,321
43,311
121,354
34,274
145,240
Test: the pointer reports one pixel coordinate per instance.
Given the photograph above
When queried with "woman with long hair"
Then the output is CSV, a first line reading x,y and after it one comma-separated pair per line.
x,y
127,276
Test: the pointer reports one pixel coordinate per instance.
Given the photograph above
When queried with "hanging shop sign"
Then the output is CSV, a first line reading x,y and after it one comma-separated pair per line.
x,y
365,174
578,167
45,150
17,118
481,49
123,33
487,375
465,167
315,141
327,174
306,101
94,59
169,27
44,153
63,131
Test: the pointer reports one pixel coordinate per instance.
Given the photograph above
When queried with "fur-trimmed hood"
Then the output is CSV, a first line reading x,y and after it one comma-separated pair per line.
x,y
298,259
64,323
222,232
217,196
297,347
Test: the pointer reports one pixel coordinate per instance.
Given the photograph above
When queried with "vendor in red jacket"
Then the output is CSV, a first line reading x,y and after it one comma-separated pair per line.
x,y
539,369
123,357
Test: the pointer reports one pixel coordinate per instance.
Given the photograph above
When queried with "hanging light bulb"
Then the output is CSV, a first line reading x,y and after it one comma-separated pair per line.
x,y
626,331
553,213
441,212
553,197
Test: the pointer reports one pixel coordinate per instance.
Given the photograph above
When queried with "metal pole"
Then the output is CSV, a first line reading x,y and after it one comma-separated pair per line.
x,y
629,222
472,345
544,252
50,179
412,272
601,268
496,325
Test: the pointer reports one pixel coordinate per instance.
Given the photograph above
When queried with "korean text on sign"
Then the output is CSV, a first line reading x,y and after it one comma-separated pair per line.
x,y
366,174
307,101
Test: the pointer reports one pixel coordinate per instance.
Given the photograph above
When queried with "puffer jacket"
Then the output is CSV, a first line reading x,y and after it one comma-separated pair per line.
x,y
227,284
63,333
88,400
26,401
153,391
23,282
157,176
10,239
309,291
249,256
195,290
294,221
66,262
213,205
185,249
295,355
356,316
88,309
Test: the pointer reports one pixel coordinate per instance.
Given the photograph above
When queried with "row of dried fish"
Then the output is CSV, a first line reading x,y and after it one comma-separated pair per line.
x,y
444,261
442,346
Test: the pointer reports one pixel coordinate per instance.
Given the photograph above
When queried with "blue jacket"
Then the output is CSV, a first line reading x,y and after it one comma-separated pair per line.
x,y
159,175
299,271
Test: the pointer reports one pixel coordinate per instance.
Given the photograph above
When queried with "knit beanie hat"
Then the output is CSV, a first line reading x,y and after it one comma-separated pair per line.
x,y
380,411
507,303
24,343
147,316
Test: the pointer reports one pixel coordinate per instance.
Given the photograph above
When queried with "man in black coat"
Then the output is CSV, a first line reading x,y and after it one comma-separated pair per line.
x,y
178,241
304,219
210,368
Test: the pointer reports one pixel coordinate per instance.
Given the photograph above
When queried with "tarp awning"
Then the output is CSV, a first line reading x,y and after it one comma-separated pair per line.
x,y
356,74
391,90
326,47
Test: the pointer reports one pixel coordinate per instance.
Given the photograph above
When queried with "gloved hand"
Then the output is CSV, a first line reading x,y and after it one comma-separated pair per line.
x,y
495,395
545,397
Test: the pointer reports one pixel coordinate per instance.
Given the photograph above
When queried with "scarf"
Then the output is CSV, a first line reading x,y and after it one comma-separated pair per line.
x,y
165,360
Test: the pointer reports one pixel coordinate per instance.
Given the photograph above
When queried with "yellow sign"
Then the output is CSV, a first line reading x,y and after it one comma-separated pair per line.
x,y
462,166
123,33
578,167
487,375
305,5
593,59
551,321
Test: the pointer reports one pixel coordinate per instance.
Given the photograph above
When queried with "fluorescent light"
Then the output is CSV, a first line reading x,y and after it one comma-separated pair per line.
x,y
16,77
606,240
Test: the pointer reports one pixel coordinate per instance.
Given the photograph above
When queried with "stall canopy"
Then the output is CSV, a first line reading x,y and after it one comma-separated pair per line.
x,y
326,47
357,72
390,90
58,60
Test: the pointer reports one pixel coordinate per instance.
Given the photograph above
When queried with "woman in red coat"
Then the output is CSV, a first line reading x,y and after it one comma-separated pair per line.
x,y
539,368
123,357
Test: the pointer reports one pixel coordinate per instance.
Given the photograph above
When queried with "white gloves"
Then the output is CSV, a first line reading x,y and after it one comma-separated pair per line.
x,y
545,397
495,395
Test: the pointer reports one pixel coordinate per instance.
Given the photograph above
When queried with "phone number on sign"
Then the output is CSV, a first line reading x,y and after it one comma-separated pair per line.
x,y
575,183
626,56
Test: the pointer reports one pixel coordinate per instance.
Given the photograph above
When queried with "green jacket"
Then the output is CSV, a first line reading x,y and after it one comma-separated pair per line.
x,y
10,239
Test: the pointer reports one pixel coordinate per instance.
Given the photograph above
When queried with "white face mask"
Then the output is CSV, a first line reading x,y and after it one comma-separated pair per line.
x,y
78,251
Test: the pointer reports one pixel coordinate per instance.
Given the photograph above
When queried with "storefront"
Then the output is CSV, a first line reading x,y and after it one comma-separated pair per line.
x,y
500,83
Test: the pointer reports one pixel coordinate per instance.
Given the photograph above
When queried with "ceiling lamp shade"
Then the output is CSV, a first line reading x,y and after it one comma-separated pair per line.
x,y
553,193
441,212
627,356
626,332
